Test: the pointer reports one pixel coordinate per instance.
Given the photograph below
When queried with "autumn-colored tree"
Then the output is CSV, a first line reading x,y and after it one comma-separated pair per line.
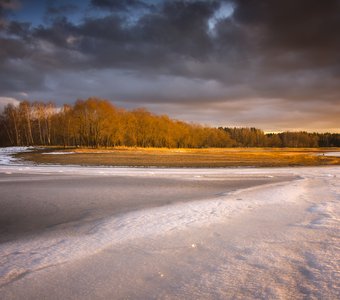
x,y
97,123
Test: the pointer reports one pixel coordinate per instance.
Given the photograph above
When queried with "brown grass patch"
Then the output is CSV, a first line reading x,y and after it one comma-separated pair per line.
x,y
163,157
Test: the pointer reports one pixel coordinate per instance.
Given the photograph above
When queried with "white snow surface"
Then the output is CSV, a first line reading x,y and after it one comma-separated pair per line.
x,y
316,187
6,155
332,154
51,248
58,153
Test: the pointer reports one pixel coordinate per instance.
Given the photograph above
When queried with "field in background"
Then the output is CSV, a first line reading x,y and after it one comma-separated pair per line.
x,y
163,157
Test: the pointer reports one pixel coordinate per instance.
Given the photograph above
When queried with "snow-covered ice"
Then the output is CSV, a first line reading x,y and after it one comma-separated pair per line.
x,y
52,247
274,240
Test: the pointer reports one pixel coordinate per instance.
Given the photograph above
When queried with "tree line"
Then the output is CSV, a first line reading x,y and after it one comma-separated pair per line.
x,y
253,137
98,123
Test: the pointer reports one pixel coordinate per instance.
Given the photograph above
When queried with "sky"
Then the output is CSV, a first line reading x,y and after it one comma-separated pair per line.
x,y
270,64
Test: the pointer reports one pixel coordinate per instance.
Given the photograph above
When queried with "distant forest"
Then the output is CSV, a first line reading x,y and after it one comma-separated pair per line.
x,y
98,123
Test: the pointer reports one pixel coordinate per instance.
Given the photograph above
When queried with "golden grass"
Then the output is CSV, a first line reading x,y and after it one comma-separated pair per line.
x,y
163,157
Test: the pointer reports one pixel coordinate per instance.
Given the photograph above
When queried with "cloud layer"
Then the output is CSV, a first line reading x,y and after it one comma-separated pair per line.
x,y
270,64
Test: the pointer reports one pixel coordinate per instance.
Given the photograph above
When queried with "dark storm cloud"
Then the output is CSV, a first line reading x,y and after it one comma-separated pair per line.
x,y
11,49
295,34
248,51
294,25
20,29
120,5
26,78
57,34
156,43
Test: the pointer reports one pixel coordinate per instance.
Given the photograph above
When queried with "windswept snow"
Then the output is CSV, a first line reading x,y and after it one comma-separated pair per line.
x,y
278,240
51,248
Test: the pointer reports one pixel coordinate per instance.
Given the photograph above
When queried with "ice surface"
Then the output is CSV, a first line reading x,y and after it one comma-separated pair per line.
x,y
52,248
275,241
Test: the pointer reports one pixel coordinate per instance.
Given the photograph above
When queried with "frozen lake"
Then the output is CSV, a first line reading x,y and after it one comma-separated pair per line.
x,y
115,233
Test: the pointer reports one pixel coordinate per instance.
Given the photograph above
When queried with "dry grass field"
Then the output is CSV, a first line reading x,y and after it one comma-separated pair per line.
x,y
162,157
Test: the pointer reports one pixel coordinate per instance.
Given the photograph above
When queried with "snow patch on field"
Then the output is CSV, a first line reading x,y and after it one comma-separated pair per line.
x,y
6,154
337,154
57,153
